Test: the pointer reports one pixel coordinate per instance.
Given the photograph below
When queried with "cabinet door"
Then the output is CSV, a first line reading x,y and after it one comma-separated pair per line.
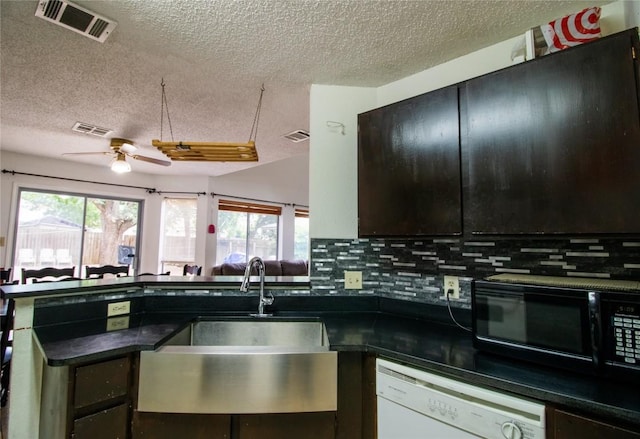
x,y
99,400
319,425
409,167
112,423
179,425
564,425
100,382
553,145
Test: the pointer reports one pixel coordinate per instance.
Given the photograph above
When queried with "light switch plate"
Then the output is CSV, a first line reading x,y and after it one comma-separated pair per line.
x,y
118,308
353,280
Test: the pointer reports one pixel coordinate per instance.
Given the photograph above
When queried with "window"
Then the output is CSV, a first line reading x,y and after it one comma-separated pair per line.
x,y
178,245
72,230
301,239
246,230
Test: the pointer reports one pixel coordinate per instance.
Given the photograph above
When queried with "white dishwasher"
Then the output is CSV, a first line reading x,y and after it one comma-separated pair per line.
x,y
414,404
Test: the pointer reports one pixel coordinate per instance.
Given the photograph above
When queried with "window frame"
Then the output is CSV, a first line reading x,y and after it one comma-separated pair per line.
x,y
164,263
242,206
19,190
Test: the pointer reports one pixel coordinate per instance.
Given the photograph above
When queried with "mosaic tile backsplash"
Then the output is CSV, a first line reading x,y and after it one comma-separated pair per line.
x,y
414,269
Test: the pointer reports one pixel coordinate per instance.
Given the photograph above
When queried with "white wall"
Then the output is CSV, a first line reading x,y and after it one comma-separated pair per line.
x,y
489,59
632,13
285,181
333,178
334,166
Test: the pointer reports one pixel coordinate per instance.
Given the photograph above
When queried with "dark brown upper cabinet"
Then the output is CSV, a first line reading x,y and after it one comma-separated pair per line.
x,y
553,145
409,167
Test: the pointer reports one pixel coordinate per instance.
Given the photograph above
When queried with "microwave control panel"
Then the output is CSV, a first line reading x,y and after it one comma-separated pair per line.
x,y
625,324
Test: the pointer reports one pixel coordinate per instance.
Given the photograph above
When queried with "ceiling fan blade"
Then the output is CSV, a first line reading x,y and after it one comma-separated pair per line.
x,y
88,153
128,148
151,160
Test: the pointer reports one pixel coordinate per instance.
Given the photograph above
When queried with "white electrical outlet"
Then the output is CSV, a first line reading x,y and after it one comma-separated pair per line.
x,y
353,280
118,308
451,284
117,323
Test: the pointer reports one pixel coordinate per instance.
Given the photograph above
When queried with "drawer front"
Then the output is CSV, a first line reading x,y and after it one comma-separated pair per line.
x,y
107,424
100,382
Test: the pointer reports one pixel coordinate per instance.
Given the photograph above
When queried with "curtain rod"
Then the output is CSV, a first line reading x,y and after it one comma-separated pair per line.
x,y
213,194
181,193
148,189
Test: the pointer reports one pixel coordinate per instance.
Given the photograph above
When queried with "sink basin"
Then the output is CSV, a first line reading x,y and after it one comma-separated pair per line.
x,y
231,366
253,332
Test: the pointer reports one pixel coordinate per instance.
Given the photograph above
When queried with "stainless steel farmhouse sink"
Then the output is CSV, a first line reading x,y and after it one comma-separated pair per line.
x,y
253,332
231,366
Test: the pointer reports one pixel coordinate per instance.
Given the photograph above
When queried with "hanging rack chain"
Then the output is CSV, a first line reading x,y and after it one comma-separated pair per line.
x,y
165,105
254,128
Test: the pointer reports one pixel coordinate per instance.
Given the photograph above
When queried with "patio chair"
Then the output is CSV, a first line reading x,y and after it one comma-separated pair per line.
x,y
47,257
63,257
26,257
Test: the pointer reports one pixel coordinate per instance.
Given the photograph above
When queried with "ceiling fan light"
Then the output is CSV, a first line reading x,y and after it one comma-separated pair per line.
x,y
119,165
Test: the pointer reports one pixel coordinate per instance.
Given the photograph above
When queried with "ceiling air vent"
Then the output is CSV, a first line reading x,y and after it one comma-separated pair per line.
x,y
297,136
76,18
86,128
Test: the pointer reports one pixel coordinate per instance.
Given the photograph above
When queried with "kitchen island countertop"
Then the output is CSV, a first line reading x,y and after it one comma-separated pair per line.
x,y
366,324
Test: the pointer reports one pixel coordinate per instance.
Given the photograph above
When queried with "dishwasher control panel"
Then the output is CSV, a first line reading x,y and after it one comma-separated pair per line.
x,y
456,405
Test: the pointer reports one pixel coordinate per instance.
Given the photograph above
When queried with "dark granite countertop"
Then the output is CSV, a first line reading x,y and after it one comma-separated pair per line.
x,y
373,325
147,281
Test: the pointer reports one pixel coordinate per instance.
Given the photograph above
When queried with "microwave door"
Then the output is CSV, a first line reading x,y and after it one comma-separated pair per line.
x,y
506,318
533,325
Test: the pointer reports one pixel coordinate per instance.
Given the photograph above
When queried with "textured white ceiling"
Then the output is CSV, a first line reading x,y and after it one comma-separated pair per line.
x,y
214,56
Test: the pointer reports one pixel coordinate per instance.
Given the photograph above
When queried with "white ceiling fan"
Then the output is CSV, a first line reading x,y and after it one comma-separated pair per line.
x,y
120,149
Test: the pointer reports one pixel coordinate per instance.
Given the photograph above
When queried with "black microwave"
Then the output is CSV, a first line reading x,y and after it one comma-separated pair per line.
x,y
583,325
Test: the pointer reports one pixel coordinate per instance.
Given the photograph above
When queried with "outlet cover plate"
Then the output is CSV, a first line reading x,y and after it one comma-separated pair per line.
x,y
118,308
451,283
353,280
117,323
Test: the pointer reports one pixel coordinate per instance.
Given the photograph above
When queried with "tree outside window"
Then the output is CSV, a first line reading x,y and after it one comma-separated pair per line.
x,y
64,230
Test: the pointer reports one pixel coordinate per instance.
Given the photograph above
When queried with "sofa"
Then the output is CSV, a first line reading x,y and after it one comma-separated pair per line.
x,y
296,267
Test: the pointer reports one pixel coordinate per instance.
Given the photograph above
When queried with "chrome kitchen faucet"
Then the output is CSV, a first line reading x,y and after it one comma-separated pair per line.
x,y
246,283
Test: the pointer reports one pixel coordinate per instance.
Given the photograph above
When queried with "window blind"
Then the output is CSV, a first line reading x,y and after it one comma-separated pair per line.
x,y
243,206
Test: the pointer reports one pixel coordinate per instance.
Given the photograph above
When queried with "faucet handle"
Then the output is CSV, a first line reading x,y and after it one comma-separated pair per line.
x,y
268,300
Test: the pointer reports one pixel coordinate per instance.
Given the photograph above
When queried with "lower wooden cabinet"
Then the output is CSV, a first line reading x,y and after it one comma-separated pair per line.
x,y
178,425
566,425
354,418
105,424
100,400
319,425
99,382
